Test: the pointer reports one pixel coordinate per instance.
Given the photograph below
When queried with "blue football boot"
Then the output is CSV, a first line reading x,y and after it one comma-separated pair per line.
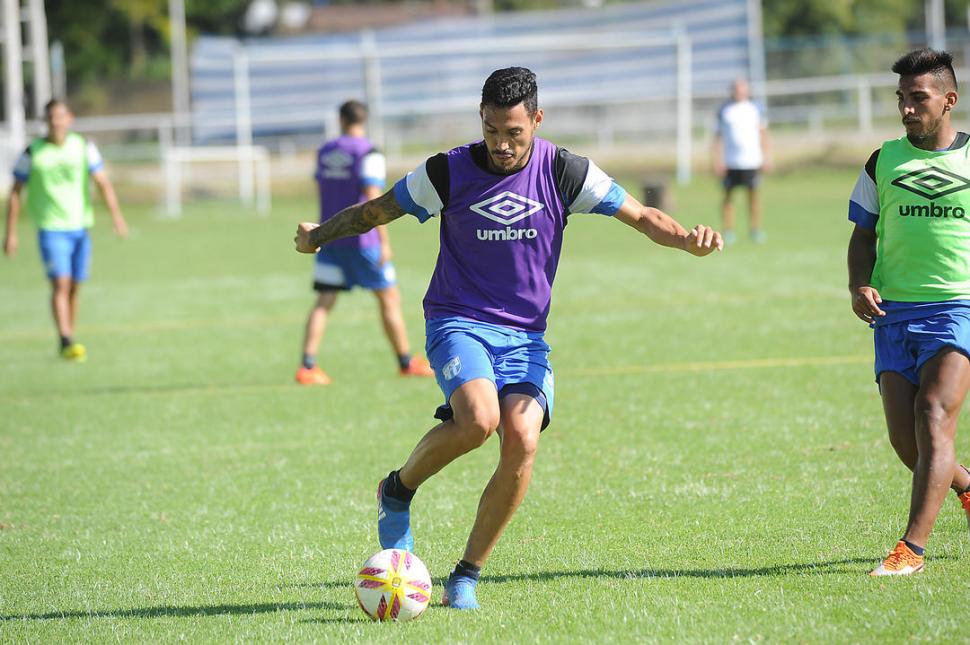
x,y
460,592
393,522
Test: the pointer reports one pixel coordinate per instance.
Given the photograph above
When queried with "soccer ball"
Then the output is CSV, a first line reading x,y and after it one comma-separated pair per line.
x,y
393,585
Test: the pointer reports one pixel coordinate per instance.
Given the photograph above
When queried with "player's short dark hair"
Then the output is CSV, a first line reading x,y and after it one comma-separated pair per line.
x,y
353,112
53,103
928,61
508,87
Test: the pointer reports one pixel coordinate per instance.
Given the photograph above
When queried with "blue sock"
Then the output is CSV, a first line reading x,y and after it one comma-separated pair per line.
x,y
403,360
918,550
309,361
66,342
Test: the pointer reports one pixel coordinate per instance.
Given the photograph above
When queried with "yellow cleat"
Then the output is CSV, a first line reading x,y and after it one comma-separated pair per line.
x,y
901,562
75,352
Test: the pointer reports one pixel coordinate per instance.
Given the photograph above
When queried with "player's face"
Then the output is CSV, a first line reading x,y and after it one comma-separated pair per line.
x,y
924,105
508,134
59,120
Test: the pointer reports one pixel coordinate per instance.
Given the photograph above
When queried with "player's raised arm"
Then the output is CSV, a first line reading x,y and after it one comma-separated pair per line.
x,y
664,230
352,220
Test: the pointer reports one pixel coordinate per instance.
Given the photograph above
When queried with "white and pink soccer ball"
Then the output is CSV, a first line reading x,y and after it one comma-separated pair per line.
x,y
393,585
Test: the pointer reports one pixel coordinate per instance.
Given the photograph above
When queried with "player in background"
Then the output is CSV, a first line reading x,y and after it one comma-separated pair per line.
x,y
350,170
909,278
740,152
503,204
56,171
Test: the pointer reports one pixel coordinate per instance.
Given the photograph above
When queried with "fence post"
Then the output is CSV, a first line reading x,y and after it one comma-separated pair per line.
x,y
244,122
372,86
865,106
684,107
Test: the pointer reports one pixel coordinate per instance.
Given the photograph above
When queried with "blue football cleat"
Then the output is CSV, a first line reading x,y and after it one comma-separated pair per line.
x,y
393,522
460,593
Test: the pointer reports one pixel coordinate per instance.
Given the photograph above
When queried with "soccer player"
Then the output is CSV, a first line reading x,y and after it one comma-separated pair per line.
x,y
740,152
503,204
909,278
350,170
56,169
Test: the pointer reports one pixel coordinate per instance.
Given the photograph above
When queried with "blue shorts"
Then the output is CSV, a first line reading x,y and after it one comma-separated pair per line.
x,y
516,361
343,268
65,253
905,346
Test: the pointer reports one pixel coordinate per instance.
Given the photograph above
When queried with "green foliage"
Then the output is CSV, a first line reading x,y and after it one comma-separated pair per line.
x,y
717,469
128,38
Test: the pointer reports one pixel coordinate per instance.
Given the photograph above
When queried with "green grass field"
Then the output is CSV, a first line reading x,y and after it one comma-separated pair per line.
x,y
717,468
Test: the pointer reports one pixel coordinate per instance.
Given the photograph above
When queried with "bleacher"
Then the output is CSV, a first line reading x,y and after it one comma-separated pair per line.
x,y
437,66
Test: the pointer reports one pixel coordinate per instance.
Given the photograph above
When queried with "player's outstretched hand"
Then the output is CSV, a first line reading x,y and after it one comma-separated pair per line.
x,y
302,239
865,304
10,244
121,227
703,240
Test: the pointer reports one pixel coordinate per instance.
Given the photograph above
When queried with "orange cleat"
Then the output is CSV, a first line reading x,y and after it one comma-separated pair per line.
x,y
312,376
901,562
417,367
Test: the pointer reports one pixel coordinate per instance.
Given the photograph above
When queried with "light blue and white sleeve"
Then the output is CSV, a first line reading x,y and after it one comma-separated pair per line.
x,y
417,195
599,194
373,170
94,159
864,202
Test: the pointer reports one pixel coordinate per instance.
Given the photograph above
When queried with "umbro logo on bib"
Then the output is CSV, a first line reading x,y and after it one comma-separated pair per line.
x,y
507,208
932,183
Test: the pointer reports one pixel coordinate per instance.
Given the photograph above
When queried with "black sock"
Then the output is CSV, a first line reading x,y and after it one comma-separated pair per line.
x,y
309,361
918,550
404,360
394,489
467,570
65,342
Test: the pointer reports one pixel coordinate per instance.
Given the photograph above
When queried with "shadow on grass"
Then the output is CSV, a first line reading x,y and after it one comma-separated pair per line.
x,y
850,565
832,566
183,612
332,621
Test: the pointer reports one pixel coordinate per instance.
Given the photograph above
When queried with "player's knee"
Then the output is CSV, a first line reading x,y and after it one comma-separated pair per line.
x,y
520,444
478,423
934,413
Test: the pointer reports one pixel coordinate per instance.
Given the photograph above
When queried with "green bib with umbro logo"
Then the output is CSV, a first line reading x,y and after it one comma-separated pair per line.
x,y
923,247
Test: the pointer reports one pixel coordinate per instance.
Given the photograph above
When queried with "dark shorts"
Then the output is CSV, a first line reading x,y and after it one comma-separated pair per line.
x,y
339,268
904,347
747,177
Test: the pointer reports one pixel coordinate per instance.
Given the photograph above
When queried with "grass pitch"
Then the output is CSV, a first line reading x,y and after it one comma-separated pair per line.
x,y
717,467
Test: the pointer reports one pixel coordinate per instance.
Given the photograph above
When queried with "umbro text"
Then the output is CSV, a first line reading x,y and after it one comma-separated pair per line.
x,y
931,210
508,233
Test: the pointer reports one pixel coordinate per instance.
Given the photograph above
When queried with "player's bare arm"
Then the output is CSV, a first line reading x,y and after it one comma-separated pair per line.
x,y
352,220
666,231
10,240
111,200
861,260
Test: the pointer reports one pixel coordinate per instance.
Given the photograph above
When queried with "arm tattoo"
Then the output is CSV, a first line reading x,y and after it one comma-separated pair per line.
x,y
358,219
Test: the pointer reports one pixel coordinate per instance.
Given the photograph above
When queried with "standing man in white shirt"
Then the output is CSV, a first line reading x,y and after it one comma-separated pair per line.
x,y
740,154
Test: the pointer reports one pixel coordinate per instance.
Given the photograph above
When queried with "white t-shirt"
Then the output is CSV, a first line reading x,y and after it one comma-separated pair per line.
x,y
739,123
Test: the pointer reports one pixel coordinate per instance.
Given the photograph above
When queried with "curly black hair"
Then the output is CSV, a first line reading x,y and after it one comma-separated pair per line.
x,y
510,86
926,60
